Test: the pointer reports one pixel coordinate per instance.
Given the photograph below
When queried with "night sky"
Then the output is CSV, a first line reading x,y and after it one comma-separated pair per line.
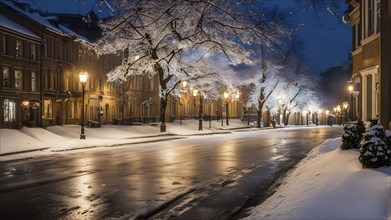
x,y
328,40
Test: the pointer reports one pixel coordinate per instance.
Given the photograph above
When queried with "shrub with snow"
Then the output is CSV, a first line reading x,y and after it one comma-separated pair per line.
x,y
352,135
374,151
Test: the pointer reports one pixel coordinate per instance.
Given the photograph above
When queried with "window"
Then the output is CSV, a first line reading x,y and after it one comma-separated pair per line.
x,y
18,79
47,109
9,110
46,48
33,81
3,45
6,77
19,48
67,83
33,52
52,80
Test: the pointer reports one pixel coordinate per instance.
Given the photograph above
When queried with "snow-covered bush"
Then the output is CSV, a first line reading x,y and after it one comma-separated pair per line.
x,y
387,138
352,135
374,151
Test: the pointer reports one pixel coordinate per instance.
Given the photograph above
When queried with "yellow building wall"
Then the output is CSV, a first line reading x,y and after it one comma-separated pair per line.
x,y
368,57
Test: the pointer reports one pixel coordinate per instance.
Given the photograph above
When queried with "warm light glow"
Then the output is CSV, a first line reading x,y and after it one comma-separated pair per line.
x,y
320,111
184,83
226,95
327,112
195,92
83,75
345,105
350,88
136,57
25,103
335,109
339,108
237,95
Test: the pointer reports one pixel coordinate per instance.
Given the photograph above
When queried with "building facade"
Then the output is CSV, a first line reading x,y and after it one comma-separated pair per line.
x,y
370,20
42,55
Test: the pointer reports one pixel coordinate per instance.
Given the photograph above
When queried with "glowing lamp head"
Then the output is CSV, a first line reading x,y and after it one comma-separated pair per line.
x,y
226,95
184,83
350,88
195,92
83,75
25,103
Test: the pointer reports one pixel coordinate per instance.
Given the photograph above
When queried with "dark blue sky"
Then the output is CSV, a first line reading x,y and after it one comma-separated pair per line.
x,y
326,46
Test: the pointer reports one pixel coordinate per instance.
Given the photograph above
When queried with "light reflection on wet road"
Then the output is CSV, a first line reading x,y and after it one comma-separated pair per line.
x,y
123,182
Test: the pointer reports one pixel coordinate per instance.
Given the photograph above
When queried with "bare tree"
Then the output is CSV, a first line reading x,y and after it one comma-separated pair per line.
x,y
158,34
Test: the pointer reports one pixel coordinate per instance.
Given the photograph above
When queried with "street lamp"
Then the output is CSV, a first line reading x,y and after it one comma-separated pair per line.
x,y
338,108
351,102
226,94
345,106
195,93
184,83
83,75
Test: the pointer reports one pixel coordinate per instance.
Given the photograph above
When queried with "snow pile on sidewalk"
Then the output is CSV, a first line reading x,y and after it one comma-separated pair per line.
x,y
67,137
330,184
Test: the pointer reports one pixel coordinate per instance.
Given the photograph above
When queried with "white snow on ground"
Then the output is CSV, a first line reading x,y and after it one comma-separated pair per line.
x,y
66,137
330,184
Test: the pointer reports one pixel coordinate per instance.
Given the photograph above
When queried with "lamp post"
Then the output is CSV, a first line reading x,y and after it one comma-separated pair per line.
x,y
83,75
226,108
345,107
339,114
280,109
351,103
195,93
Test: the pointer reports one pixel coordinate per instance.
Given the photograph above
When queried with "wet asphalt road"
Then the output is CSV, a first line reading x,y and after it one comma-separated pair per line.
x,y
130,181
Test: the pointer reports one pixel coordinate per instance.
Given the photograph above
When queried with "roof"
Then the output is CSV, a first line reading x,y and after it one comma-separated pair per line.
x,y
11,25
82,32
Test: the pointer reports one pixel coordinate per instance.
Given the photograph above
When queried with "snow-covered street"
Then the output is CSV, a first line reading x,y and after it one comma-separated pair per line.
x,y
328,184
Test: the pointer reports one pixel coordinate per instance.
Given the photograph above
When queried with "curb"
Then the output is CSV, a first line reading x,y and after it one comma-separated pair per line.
x,y
118,145
25,151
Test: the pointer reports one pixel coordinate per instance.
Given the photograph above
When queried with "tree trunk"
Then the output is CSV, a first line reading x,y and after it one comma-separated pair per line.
x,y
259,114
163,105
287,119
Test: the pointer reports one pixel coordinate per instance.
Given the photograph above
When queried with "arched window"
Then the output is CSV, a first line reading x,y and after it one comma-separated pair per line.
x,y
9,110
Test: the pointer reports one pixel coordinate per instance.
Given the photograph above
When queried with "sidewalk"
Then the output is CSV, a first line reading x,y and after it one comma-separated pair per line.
x,y
67,137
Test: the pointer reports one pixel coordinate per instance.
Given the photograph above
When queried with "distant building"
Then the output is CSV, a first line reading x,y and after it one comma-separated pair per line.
x,y
371,53
41,59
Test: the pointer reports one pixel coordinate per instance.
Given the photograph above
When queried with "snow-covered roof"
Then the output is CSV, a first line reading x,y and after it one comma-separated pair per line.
x,y
72,33
35,17
9,24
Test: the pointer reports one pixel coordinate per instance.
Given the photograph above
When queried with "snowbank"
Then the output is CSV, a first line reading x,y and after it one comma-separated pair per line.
x,y
66,137
330,184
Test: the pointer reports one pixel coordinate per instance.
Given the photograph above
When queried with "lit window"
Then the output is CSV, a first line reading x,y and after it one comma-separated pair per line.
x,y
6,77
33,81
47,109
9,110
19,48
33,52
18,79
